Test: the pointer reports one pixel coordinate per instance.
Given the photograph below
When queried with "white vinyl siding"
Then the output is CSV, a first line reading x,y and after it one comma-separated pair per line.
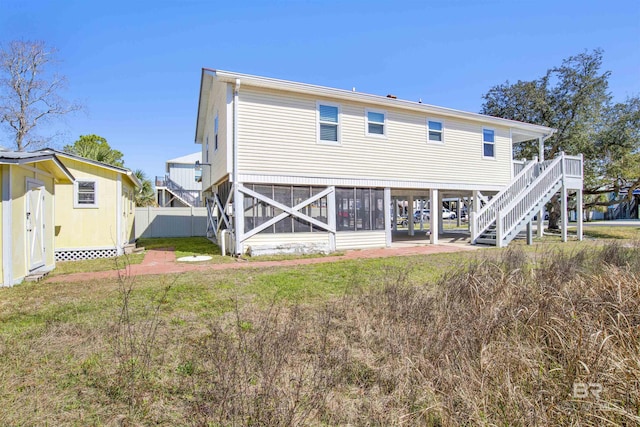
x,y
435,131
375,123
85,193
278,136
328,123
318,238
360,240
219,158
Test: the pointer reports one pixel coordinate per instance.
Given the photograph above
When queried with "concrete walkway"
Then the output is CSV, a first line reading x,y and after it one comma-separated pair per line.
x,y
163,261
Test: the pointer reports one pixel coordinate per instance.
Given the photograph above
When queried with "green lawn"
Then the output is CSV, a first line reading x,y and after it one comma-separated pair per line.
x,y
69,357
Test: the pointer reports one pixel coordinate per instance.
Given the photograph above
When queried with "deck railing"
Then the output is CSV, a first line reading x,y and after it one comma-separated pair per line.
x,y
177,189
487,215
522,205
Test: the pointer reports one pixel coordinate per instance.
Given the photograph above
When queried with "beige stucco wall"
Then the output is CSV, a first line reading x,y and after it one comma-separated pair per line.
x,y
278,136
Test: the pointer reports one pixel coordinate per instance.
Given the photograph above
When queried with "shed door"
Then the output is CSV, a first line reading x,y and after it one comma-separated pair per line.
x,y
35,224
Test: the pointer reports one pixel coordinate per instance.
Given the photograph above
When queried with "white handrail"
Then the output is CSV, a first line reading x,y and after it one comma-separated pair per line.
x,y
487,214
519,207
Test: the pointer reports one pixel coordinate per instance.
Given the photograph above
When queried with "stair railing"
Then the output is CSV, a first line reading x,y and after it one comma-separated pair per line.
x,y
482,219
178,190
518,208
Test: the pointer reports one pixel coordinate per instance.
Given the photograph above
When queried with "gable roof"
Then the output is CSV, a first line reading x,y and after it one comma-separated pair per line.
x,y
525,130
59,170
63,154
189,159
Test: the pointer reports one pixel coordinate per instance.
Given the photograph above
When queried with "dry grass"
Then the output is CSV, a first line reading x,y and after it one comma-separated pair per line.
x,y
502,341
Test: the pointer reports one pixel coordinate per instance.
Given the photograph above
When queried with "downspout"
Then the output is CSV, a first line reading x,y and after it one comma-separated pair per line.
x,y
236,193
541,141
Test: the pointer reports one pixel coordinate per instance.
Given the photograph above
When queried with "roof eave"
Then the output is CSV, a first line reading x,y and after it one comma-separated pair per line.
x,y
270,83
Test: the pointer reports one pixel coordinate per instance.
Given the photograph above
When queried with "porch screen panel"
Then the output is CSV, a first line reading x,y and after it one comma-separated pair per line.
x,y
300,194
345,209
264,211
318,209
377,209
282,194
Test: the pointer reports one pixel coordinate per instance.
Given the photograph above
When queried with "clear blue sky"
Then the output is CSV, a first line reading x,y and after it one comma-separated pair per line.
x,y
136,65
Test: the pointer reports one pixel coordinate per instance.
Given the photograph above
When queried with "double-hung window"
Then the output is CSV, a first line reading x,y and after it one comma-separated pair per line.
x,y
488,143
376,123
328,122
85,193
436,132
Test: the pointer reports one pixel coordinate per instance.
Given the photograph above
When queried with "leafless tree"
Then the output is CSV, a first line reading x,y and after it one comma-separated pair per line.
x,y
29,92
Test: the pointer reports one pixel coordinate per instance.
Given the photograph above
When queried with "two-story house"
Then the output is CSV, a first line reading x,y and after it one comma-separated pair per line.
x,y
293,165
181,184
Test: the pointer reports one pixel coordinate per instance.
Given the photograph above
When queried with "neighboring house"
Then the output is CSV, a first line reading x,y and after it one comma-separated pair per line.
x,y
629,208
29,182
296,167
181,185
94,217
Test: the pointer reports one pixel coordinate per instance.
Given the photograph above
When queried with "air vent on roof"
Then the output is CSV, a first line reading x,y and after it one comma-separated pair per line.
x,y
392,96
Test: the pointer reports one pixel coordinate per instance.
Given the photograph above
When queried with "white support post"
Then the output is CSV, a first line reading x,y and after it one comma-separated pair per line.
x,y
458,212
438,212
434,216
540,223
410,215
387,216
395,214
238,223
331,218
421,204
563,216
579,213
476,201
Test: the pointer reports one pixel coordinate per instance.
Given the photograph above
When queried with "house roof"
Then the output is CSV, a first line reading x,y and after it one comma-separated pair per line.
x,y
523,131
189,159
124,171
58,170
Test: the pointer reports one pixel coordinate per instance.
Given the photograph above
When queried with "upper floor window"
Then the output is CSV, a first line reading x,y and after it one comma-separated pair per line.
x,y
376,124
488,143
435,131
328,122
215,133
85,193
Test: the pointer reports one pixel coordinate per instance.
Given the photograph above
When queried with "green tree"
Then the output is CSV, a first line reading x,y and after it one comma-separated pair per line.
x,y
574,99
96,148
146,195
30,92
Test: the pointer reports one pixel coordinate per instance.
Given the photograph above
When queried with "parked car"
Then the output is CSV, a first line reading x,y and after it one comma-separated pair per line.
x,y
426,215
447,214
546,217
402,221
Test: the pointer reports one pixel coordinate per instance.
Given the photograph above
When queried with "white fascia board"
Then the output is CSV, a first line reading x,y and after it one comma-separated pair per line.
x,y
323,91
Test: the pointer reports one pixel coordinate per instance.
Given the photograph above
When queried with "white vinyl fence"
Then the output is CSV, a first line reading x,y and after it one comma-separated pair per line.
x,y
171,222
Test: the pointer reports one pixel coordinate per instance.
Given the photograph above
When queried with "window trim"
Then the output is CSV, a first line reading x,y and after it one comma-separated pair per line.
x,y
366,123
93,205
486,142
430,141
216,123
338,124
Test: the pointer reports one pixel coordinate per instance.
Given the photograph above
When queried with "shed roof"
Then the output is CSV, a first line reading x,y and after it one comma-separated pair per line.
x,y
58,169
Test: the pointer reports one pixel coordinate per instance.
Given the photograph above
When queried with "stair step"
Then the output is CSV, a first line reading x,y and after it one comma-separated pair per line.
x,y
481,241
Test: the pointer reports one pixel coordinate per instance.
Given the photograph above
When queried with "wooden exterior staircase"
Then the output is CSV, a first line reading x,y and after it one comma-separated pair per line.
x,y
505,215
